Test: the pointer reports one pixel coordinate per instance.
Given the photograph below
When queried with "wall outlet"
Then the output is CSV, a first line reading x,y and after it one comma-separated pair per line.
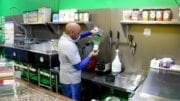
x,y
147,32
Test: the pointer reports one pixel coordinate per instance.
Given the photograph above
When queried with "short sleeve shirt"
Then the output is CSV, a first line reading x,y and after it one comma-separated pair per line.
x,y
68,56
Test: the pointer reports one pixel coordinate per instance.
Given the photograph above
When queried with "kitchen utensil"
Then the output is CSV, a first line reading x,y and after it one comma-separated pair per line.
x,y
110,44
110,38
118,37
132,44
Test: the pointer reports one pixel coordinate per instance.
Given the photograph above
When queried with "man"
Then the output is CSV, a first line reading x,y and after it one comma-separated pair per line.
x,y
70,61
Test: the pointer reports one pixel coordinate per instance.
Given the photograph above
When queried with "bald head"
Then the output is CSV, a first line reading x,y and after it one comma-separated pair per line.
x,y
73,29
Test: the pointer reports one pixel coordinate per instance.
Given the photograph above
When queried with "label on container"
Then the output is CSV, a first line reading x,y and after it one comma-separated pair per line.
x,y
145,15
159,15
135,15
152,15
167,15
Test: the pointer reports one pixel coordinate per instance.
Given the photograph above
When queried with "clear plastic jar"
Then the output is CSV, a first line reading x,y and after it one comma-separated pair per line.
x,y
167,15
81,17
152,14
135,14
145,15
159,15
86,17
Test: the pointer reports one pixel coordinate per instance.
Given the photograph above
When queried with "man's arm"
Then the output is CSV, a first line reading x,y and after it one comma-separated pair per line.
x,y
82,64
85,34
85,61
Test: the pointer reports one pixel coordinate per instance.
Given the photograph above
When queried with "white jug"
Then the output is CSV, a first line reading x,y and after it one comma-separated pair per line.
x,y
116,64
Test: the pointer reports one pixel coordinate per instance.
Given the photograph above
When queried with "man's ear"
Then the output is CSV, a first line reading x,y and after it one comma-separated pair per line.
x,y
71,33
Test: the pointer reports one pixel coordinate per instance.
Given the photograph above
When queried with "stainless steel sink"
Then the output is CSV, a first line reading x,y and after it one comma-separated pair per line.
x,y
24,46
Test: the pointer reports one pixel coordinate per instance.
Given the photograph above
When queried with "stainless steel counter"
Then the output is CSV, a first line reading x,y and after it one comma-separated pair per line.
x,y
27,47
126,82
160,85
24,53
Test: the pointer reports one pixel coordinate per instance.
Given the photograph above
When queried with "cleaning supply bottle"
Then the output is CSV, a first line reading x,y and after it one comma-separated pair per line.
x,y
116,64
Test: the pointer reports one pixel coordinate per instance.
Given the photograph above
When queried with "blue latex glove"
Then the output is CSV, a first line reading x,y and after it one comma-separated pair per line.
x,y
95,30
85,34
82,64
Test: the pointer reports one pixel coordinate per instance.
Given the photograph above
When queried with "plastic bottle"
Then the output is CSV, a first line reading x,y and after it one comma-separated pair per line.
x,y
116,64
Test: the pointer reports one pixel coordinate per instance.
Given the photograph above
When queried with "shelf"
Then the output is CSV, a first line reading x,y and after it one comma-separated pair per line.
x,y
56,23
54,26
79,22
34,23
151,22
126,23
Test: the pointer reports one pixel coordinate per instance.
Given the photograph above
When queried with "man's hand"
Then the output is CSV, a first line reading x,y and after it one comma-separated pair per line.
x,y
95,30
93,53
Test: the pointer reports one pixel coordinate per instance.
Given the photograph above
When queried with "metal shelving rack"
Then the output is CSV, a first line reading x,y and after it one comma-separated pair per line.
x,y
54,26
150,22
58,23
126,23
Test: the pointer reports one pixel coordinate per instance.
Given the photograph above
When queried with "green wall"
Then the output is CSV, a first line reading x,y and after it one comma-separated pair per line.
x,y
94,4
15,7
26,5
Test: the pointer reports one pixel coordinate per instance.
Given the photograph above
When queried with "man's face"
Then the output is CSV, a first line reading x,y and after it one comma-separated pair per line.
x,y
75,34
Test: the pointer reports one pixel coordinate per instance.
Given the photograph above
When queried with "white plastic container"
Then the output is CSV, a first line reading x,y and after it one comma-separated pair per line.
x,y
44,15
127,14
86,17
73,14
55,18
61,15
25,17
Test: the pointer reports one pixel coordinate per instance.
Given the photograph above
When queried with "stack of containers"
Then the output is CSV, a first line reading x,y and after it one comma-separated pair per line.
x,y
127,14
9,32
148,14
26,17
135,14
83,17
44,15
67,15
34,16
